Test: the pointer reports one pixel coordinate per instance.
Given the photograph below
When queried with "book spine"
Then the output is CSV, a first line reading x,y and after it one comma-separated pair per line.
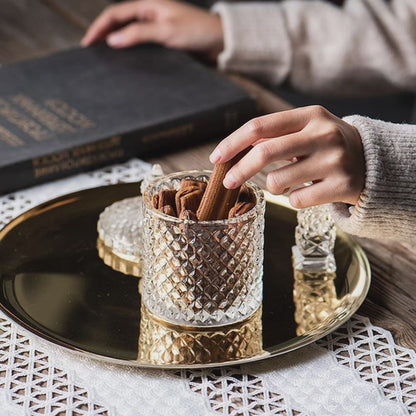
x,y
212,125
208,126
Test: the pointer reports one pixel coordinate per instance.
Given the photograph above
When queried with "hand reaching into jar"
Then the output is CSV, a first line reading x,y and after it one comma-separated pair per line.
x,y
322,148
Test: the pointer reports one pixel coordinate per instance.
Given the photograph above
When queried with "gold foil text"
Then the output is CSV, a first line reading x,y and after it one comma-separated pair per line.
x,y
48,119
10,138
23,122
68,113
183,130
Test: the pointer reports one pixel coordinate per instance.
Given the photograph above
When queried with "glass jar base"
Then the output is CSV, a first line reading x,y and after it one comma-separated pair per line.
x,y
191,316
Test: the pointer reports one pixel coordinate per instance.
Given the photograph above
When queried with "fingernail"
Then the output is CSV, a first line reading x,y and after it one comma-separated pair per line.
x,y
229,181
215,156
116,39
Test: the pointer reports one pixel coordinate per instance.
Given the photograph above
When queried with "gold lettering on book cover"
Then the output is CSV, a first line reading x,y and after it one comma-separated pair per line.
x,y
52,159
69,113
113,142
81,157
23,122
42,115
178,131
8,137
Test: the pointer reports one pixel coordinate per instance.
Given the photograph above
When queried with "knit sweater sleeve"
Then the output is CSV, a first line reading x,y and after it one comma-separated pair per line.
x,y
387,206
366,46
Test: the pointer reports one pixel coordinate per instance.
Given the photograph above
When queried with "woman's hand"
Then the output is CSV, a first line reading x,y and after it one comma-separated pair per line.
x,y
323,149
167,22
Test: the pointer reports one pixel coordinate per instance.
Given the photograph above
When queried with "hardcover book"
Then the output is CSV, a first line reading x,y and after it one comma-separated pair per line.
x,y
85,108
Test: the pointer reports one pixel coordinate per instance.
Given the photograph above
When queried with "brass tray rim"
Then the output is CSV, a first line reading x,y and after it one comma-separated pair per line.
x,y
279,349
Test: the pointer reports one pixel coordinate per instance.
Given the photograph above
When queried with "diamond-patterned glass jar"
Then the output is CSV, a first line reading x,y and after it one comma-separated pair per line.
x,y
204,273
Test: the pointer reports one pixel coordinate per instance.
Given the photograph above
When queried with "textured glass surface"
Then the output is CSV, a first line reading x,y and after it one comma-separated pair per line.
x,y
202,273
120,228
313,263
168,344
315,239
120,225
154,174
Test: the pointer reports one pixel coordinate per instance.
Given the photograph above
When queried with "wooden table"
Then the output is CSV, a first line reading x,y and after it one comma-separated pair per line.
x,y
33,28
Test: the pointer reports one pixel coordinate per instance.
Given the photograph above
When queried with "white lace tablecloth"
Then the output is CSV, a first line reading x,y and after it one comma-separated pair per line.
x,y
356,371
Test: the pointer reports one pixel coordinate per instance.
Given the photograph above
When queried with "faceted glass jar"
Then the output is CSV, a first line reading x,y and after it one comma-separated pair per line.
x,y
201,273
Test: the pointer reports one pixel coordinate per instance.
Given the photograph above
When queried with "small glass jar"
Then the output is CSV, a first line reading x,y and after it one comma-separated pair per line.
x,y
201,273
119,242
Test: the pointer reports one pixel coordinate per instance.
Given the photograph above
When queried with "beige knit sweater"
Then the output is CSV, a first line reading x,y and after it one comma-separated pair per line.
x,y
366,46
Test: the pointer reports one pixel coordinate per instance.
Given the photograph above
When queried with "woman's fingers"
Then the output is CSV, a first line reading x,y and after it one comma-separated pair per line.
x,y
110,18
133,34
272,125
264,153
322,192
296,174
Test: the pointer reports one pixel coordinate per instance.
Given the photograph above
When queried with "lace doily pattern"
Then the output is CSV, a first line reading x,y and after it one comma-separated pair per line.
x,y
14,204
231,391
27,377
316,384
373,355
30,381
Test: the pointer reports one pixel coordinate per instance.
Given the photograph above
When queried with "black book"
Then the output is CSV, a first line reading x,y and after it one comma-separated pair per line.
x,y
85,108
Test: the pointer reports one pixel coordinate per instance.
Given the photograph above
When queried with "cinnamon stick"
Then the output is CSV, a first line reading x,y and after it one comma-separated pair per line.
x,y
187,215
167,197
164,201
168,210
188,198
194,182
155,201
246,194
218,200
240,208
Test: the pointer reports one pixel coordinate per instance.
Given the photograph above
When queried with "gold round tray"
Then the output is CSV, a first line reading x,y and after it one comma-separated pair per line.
x,y
54,284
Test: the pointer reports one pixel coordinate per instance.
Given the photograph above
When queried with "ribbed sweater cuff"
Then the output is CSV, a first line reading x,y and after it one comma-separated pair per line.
x,y
256,41
387,206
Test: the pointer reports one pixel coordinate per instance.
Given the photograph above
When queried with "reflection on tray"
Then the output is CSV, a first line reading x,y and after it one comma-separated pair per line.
x,y
316,301
162,343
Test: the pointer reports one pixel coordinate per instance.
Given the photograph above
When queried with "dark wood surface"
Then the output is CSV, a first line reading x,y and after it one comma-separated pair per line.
x,y
33,28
